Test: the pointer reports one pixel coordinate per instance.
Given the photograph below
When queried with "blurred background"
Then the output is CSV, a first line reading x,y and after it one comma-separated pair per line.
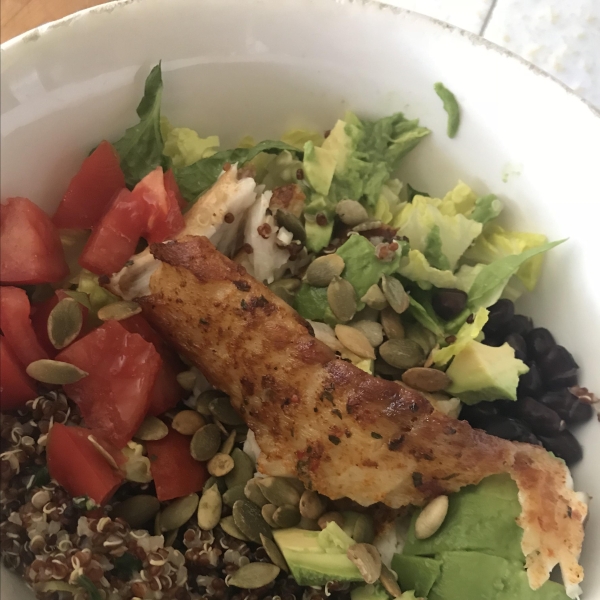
x,y
560,36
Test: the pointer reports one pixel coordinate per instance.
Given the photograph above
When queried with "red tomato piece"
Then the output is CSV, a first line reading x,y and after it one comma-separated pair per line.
x,y
16,325
166,392
16,387
122,368
78,466
164,218
114,239
91,190
175,472
30,248
173,189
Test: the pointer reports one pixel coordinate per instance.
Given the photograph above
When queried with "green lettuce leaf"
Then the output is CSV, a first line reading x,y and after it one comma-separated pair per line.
x,y
416,268
389,203
467,333
421,310
184,146
433,250
486,208
299,137
450,106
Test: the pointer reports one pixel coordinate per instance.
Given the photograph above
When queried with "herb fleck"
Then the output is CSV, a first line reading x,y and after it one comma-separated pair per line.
x,y
334,439
375,435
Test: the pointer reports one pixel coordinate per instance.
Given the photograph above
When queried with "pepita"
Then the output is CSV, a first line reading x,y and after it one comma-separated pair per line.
x,y
229,443
220,464
137,510
374,298
249,520
389,583
371,330
278,491
351,212
205,398
367,314
106,455
367,560
355,340
423,336
359,527
220,484
426,379
205,442
157,529
312,505
273,552
187,422
230,528
382,369
178,512
187,380
209,508
243,469
267,511
296,484
286,516
292,223
119,311
342,299
151,429
395,294
54,372
253,575
392,325
308,524
431,518
232,495
328,517
367,225
324,333
64,323
253,492
222,410
323,269
286,289
402,354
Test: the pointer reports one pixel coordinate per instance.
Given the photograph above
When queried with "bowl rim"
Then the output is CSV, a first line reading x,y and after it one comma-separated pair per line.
x,y
475,39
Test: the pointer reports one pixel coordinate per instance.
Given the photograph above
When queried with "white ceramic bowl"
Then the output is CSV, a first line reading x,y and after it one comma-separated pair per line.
x,y
235,67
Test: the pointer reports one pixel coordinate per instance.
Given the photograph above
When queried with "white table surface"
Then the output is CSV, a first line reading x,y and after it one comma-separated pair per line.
x,y
560,36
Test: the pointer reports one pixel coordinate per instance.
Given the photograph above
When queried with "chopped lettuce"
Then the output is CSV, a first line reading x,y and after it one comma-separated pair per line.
x,y
467,333
424,314
319,167
98,296
433,250
459,200
466,275
416,268
299,137
311,302
486,209
184,146
275,170
450,106
389,204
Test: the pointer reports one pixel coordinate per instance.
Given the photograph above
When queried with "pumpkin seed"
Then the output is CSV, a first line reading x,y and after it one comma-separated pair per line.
x,y
229,443
205,398
54,372
355,340
151,429
309,524
359,527
392,325
367,560
157,529
187,422
187,380
402,354
423,336
395,294
249,520
106,455
323,269
426,380
431,518
267,512
371,330
220,484
137,510
367,314
253,492
286,516
178,512
351,212
286,289
230,528
170,537
205,443
292,223
324,333
243,469
220,464
367,225
312,505
296,483
374,298
119,311
64,323
232,495
342,299
278,491
209,508
273,552
328,517
388,581
382,369
253,575
222,410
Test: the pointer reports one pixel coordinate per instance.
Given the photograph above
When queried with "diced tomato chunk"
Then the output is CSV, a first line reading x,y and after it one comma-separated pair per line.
x,y
175,472
16,387
30,248
91,190
173,189
164,219
114,239
122,368
78,466
16,325
166,392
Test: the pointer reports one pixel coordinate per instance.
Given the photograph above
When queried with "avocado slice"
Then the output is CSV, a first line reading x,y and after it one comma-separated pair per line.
x,y
316,557
416,572
340,144
319,167
376,592
317,236
311,302
481,372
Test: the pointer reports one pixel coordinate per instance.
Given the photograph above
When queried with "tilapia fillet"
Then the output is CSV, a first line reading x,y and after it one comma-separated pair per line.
x,y
343,432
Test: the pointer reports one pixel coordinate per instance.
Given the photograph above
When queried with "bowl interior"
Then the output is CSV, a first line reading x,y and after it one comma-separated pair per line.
x,y
259,67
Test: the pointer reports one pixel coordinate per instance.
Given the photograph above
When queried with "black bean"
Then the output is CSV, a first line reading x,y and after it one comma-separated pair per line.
x,y
516,341
530,384
520,324
493,340
449,303
507,408
510,429
558,367
500,315
564,403
479,414
565,446
581,413
541,419
539,341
